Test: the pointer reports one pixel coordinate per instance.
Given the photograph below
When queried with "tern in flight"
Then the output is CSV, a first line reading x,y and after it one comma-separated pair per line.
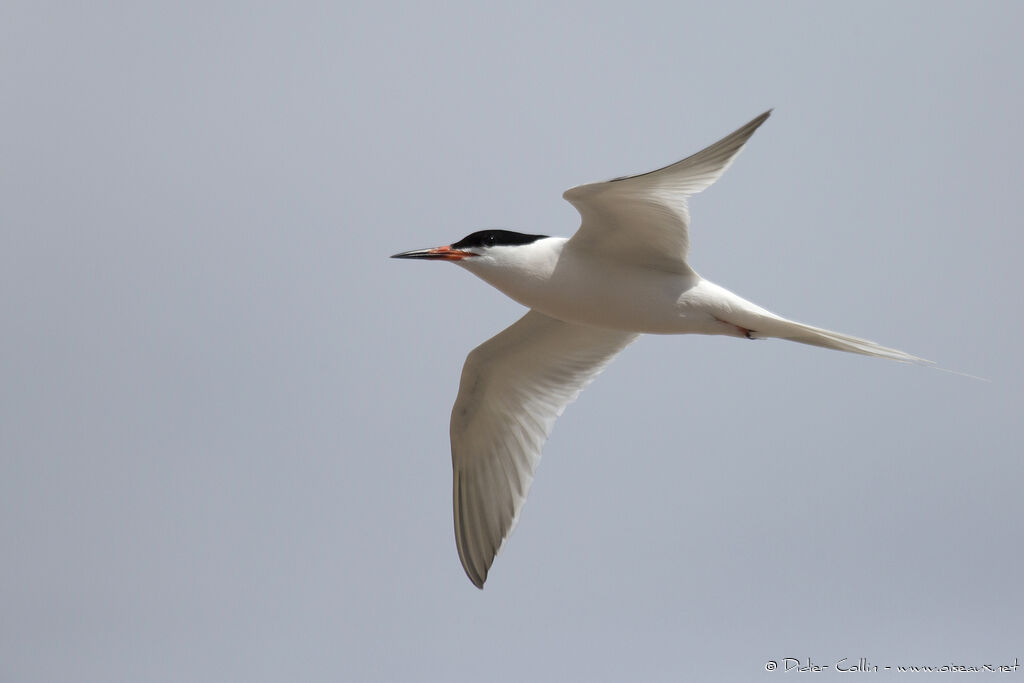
x,y
623,273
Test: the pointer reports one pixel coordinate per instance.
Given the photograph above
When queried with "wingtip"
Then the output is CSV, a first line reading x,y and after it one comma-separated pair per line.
x,y
758,120
476,580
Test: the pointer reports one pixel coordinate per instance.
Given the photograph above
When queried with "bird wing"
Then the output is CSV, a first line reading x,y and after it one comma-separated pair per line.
x,y
644,218
513,387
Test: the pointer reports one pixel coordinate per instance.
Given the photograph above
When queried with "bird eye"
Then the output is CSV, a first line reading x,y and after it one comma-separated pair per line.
x,y
490,239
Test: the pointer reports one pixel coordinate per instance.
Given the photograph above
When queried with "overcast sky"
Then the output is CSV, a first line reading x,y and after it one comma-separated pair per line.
x,y
224,411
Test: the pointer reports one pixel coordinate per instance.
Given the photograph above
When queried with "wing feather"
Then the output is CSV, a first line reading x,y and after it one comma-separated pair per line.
x,y
645,218
513,388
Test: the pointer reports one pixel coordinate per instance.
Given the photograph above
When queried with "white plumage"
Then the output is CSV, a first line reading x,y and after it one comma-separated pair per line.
x,y
623,273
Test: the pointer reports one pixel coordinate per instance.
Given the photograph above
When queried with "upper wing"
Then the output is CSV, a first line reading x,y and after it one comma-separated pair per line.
x,y
644,218
513,388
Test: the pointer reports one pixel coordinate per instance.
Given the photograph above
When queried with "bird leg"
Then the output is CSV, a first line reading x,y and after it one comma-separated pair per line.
x,y
736,330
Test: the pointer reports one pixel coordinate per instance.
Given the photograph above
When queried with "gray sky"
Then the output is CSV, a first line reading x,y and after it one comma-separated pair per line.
x,y
224,412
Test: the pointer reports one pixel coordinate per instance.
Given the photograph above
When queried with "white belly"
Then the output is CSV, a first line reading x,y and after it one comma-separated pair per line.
x,y
623,297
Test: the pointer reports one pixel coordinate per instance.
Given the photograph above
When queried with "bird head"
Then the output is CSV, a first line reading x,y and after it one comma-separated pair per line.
x,y
485,245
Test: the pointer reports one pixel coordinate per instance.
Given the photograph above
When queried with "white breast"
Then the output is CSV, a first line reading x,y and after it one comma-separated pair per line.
x,y
577,286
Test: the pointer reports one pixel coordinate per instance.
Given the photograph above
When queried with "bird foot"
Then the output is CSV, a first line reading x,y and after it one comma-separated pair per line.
x,y
738,331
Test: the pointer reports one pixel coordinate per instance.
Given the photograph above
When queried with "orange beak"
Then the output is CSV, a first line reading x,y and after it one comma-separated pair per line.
x,y
436,254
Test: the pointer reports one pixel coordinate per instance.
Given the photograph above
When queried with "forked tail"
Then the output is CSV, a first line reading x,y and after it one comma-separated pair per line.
x,y
816,336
